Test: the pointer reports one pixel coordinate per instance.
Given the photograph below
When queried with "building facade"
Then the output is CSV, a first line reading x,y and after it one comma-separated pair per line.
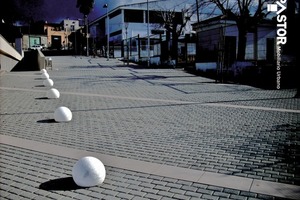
x,y
126,23
218,39
50,35
58,34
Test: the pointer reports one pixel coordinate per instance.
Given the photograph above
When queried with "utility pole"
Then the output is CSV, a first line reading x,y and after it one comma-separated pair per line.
x,y
148,35
127,43
87,35
197,4
107,28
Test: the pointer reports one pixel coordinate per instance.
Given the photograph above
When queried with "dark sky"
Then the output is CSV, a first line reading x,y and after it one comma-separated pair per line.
x,y
57,10
54,11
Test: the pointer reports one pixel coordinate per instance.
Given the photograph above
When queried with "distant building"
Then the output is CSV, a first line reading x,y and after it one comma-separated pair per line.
x,y
128,23
58,34
217,45
49,35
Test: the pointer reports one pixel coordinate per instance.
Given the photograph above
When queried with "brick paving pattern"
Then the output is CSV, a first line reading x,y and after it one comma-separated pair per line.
x,y
155,115
32,175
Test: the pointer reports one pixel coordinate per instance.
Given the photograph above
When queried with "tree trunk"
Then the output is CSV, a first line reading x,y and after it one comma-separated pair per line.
x,y
242,42
174,50
166,47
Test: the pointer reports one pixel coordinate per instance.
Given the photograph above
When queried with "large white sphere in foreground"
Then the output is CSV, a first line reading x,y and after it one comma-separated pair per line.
x,y
62,114
48,82
88,171
43,71
53,93
45,75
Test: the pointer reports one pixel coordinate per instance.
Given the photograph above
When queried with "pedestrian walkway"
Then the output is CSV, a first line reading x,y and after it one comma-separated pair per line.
x,y
161,133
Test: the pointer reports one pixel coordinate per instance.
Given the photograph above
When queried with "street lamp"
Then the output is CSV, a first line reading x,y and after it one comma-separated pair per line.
x,y
87,35
127,43
107,28
148,35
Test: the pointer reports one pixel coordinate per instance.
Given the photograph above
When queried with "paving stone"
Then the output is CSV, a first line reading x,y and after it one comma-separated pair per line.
x,y
166,194
150,190
152,196
179,196
238,197
136,187
81,196
96,195
205,196
174,185
139,198
163,116
221,194
166,198
137,193
27,195
125,196
13,196
205,191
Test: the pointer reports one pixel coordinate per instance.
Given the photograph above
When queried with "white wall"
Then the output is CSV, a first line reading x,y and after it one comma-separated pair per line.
x,y
263,34
249,54
9,56
115,23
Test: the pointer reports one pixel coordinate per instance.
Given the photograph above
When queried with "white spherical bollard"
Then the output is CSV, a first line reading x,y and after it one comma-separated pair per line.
x,y
53,93
88,171
45,75
43,71
48,82
62,114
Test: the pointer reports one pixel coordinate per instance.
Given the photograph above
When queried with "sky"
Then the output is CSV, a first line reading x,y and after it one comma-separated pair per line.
x,y
57,10
54,11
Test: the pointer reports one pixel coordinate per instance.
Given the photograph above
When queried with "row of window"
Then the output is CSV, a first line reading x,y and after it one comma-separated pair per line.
x,y
139,16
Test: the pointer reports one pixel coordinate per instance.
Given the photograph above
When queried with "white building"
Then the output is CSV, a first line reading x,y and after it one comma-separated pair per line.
x,y
70,25
217,50
128,19
218,34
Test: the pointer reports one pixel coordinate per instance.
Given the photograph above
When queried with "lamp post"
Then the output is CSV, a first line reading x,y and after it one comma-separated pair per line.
x,y
148,35
87,35
127,43
107,28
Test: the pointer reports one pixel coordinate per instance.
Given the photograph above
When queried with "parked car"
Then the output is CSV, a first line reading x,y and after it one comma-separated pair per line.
x,y
44,46
36,47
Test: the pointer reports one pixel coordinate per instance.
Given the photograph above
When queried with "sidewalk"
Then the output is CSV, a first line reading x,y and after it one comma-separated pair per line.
x,y
161,133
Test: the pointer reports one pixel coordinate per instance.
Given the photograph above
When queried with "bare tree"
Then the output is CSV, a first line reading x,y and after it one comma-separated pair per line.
x,y
174,22
246,13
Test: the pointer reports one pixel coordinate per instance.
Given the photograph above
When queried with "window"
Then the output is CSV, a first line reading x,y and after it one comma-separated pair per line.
x,y
135,16
270,54
143,45
114,14
155,17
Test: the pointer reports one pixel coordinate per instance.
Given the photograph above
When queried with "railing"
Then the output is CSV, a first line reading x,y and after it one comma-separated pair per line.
x,y
43,61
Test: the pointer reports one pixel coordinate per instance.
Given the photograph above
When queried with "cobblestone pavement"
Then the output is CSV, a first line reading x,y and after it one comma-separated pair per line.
x,y
161,116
